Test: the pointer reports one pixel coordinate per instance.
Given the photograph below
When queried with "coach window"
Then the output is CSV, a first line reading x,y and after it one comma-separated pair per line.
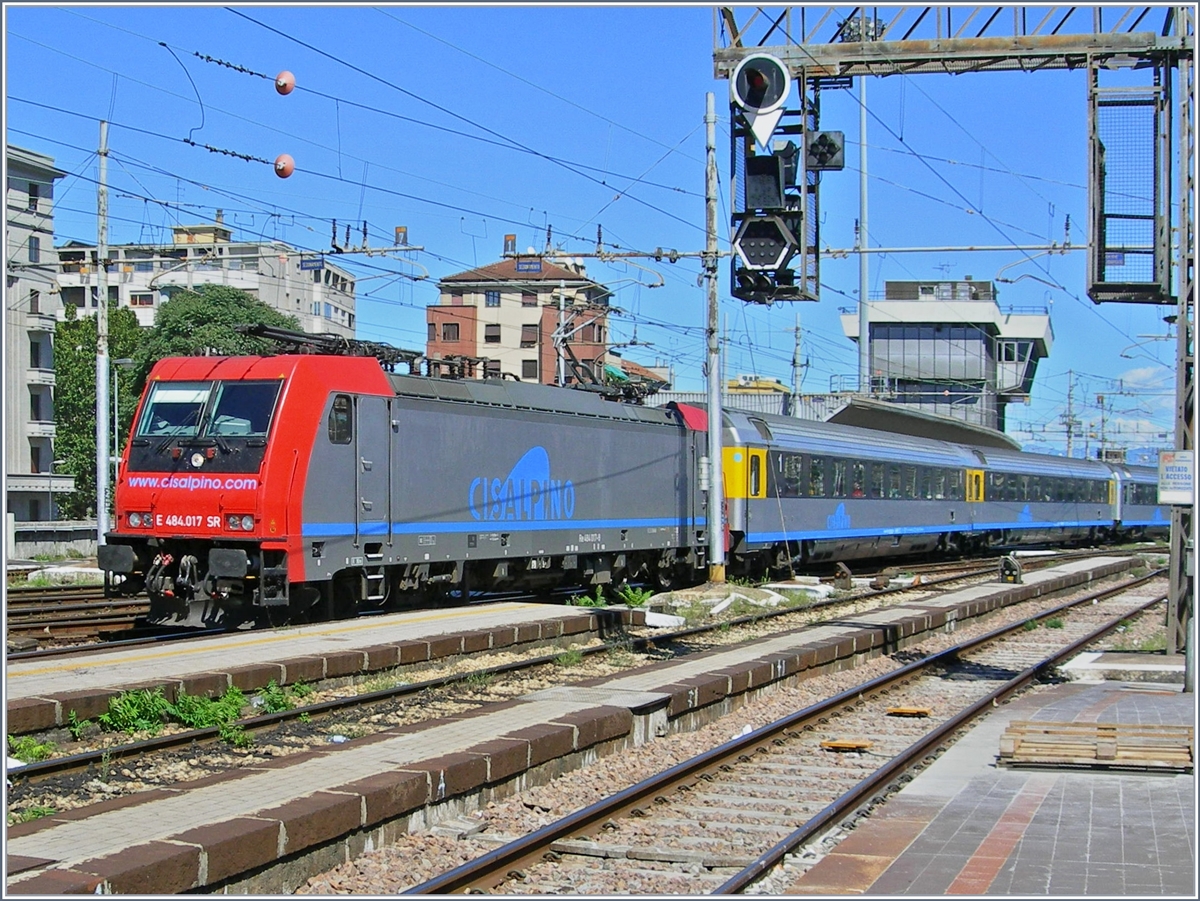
x,y
939,484
876,480
955,492
858,479
893,480
839,478
755,475
762,428
791,472
816,477
996,486
910,482
341,427
926,483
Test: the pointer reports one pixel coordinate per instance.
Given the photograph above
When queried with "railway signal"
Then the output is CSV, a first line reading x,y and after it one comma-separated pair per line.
x,y
825,151
764,243
760,86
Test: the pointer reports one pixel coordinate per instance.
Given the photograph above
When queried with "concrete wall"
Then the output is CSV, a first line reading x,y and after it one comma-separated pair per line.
x,y
25,540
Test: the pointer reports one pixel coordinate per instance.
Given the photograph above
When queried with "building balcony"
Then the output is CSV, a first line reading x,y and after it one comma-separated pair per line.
x,y
42,482
39,377
40,428
39,322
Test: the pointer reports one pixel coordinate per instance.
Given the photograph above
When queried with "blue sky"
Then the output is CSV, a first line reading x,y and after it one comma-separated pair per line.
x,y
467,123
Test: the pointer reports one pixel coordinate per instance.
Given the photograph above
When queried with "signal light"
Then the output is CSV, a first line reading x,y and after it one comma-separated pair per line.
x,y
764,243
825,150
760,85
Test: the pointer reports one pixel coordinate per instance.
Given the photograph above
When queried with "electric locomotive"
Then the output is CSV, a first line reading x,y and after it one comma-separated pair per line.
x,y
295,487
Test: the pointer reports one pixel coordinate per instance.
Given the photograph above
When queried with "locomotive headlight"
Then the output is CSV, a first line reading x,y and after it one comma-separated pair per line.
x,y
247,522
233,521
135,520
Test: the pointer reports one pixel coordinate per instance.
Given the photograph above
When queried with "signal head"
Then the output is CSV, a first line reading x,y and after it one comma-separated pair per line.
x,y
760,83
825,150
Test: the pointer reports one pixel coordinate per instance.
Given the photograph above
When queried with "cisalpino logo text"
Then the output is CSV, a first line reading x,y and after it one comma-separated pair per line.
x,y
526,493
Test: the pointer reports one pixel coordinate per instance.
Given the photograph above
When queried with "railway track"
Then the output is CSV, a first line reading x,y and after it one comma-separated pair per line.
x,y
723,820
81,613
457,683
66,612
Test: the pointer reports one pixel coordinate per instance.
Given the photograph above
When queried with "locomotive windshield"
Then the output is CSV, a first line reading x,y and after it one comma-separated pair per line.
x,y
209,409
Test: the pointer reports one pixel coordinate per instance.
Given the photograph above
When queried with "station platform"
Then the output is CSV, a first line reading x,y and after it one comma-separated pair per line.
x,y
266,828
41,693
967,826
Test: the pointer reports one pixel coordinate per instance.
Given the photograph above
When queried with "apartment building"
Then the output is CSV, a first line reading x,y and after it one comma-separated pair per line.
x,y
310,286
509,313
30,308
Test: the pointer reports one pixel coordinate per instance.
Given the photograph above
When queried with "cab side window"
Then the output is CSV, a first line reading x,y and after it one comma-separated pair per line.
x,y
341,427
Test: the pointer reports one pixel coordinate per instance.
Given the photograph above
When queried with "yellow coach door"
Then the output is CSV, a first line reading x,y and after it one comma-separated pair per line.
x,y
745,473
974,486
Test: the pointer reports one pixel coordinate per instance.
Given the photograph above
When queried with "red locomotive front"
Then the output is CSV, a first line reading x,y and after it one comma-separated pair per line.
x,y
208,490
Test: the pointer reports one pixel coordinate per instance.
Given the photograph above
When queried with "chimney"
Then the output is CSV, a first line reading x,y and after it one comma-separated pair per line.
x,y
220,217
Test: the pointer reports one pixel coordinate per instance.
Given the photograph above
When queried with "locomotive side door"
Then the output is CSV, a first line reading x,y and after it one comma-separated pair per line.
x,y
372,452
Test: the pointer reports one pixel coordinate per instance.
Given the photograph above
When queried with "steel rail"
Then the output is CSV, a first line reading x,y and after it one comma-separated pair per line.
x,y
919,750
41,770
493,868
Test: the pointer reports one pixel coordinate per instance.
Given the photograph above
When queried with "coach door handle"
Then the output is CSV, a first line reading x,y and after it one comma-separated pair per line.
x,y
366,464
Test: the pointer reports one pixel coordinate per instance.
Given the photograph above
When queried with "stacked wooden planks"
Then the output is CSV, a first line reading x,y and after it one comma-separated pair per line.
x,y
1157,747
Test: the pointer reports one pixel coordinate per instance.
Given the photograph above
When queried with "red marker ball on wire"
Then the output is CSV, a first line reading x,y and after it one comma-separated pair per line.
x,y
285,81
284,165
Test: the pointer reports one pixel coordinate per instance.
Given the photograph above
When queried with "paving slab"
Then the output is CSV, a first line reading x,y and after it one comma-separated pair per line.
x,y
969,826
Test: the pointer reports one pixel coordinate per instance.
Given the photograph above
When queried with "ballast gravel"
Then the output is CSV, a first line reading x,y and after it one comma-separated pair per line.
x,y
420,856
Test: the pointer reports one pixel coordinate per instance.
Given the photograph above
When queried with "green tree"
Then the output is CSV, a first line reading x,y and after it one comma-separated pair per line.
x,y
75,398
205,321
189,324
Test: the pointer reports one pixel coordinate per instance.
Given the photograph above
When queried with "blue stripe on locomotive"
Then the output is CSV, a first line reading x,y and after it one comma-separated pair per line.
x,y
318,529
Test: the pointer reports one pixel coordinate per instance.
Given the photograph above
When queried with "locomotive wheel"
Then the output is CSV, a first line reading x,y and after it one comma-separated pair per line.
x,y
666,578
344,595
